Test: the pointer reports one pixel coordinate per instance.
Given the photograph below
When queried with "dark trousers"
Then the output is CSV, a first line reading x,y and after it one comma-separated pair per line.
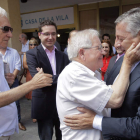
x,y
45,128
15,84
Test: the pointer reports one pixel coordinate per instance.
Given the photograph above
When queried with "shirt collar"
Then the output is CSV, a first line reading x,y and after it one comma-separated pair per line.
x,y
47,49
8,49
86,68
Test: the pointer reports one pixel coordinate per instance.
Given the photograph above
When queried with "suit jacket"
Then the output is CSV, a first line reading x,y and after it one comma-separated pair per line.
x,y
126,121
110,66
44,99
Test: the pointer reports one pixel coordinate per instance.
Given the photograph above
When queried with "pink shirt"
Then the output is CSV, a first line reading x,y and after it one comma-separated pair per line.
x,y
118,56
51,56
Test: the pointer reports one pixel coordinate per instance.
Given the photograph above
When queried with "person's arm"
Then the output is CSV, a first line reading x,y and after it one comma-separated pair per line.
x,y
120,86
25,62
15,72
129,128
21,53
81,121
38,81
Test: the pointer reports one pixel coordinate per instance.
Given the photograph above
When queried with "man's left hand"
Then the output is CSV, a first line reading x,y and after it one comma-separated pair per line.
x,y
80,121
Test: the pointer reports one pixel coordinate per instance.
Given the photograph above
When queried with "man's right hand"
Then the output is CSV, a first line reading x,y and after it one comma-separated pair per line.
x,y
41,79
80,121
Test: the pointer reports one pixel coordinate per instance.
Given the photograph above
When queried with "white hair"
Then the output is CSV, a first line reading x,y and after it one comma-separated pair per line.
x,y
82,39
132,18
3,12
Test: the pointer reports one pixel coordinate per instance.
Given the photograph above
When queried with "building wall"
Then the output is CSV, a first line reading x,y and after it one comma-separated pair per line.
x,y
13,8
95,15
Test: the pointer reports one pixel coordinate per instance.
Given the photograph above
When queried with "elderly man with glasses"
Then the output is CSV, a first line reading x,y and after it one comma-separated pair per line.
x,y
80,84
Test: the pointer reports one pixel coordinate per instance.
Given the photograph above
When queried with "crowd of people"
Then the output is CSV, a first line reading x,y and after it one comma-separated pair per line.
x,y
88,92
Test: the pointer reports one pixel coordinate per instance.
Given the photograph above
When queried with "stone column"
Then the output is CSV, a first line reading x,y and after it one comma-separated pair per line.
x,y
12,7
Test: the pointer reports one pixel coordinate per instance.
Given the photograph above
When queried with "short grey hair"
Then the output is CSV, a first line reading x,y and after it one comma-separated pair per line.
x,y
3,12
24,36
82,39
132,18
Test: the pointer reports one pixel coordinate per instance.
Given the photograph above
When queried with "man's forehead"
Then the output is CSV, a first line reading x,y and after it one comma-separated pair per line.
x,y
106,37
4,21
96,41
48,27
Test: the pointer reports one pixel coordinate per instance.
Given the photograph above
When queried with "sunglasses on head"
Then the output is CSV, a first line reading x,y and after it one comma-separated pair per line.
x,y
6,29
33,44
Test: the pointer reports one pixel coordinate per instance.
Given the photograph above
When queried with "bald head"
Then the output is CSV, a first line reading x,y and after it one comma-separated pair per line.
x,y
23,38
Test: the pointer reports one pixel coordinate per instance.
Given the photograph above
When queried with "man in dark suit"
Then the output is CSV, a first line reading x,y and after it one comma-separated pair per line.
x,y
113,60
126,121
52,61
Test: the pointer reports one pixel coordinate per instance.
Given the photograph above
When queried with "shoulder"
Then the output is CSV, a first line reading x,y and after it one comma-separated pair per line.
x,y
34,50
62,54
13,51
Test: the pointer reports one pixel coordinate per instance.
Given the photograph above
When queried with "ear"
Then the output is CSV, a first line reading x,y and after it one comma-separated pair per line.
x,y
68,40
82,54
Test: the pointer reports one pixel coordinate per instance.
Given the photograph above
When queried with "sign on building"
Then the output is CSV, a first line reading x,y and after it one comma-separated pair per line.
x,y
59,16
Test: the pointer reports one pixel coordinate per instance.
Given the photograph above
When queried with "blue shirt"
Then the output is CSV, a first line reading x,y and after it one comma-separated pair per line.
x,y
12,57
8,114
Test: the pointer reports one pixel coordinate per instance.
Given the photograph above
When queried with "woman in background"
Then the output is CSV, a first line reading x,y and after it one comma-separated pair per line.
x,y
32,44
107,54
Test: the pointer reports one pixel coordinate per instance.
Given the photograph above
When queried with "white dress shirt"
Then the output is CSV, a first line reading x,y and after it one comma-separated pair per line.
x,y
12,57
24,48
8,114
78,86
97,122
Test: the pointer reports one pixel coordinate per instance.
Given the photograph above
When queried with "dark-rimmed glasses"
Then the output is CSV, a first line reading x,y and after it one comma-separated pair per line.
x,y
48,34
6,29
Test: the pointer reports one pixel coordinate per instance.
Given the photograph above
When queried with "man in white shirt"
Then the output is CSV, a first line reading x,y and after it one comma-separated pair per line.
x,y
80,84
25,45
125,121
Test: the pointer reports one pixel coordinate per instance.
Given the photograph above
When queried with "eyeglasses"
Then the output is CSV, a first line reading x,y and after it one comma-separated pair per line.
x,y
100,47
48,34
33,44
6,29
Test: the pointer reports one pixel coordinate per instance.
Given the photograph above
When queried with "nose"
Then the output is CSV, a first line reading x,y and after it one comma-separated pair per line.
x,y
117,44
117,41
50,36
9,34
102,51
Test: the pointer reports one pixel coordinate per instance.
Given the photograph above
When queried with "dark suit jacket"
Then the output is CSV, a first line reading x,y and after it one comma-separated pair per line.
x,y
110,66
44,99
126,121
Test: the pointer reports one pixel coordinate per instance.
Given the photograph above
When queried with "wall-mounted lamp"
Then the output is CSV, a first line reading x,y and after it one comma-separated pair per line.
x,y
58,35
